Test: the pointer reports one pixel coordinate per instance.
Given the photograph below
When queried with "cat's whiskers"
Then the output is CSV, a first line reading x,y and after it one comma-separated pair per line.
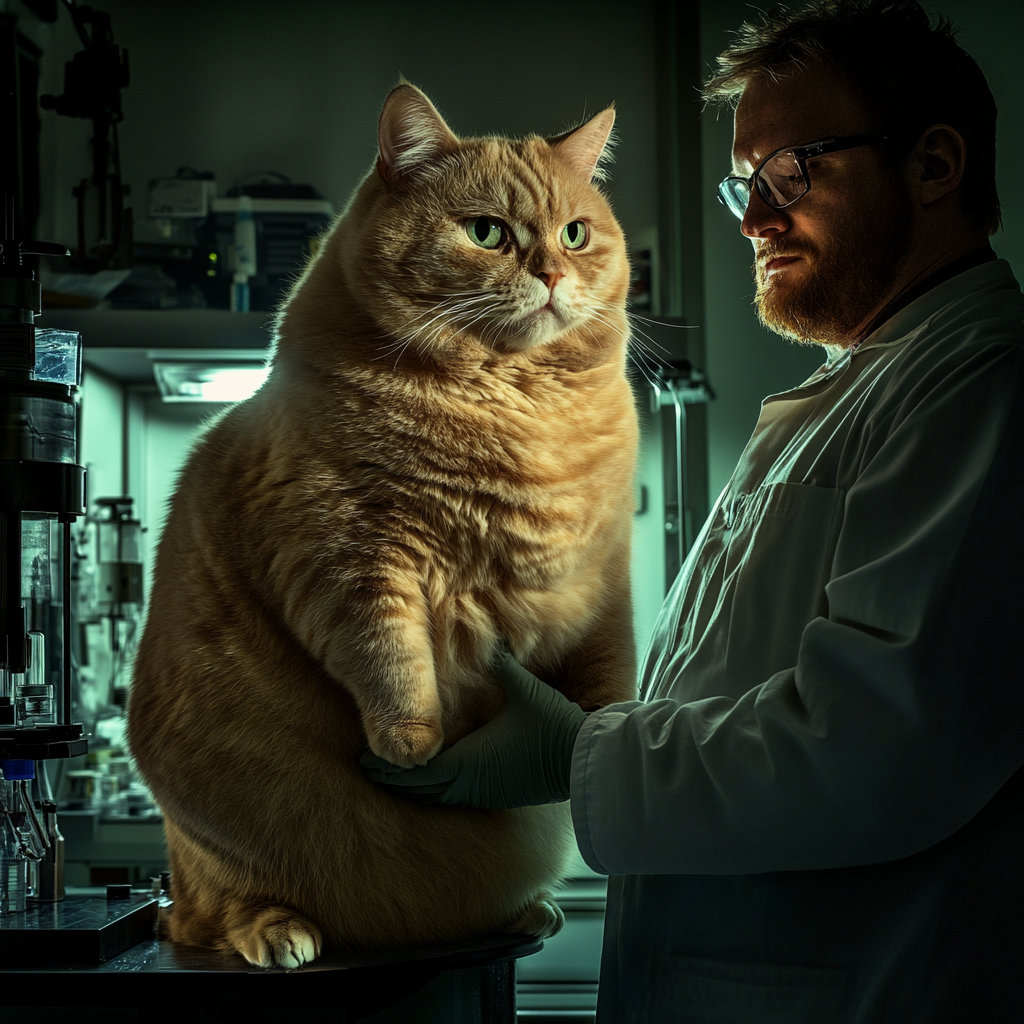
x,y
386,350
650,370
636,330
646,348
441,313
471,291
476,314
649,344
489,327
636,350
446,308
646,319
400,346
486,311
642,345
498,325
645,344
661,323
456,314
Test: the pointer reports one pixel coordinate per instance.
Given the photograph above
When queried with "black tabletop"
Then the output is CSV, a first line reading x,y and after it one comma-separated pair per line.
x,y
165,974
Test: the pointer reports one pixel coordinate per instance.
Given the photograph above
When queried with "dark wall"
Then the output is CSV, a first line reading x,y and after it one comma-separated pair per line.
x,y
244,87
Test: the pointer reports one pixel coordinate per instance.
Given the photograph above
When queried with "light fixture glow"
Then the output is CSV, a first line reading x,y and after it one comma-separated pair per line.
x,y
209,382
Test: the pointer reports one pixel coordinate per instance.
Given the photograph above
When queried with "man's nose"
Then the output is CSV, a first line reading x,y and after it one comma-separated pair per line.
x,y
761,220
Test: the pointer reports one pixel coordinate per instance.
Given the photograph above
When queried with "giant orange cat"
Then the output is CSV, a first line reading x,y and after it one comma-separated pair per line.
x,y
442,457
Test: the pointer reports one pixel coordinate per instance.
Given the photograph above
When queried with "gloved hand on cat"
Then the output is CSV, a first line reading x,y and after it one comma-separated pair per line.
x,y
520,758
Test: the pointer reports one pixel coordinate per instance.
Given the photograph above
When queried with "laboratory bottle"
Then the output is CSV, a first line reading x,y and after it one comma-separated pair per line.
x,y
13,847
13,863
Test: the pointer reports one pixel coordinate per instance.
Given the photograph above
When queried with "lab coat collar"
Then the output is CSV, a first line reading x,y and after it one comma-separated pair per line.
x,y
897,329
933,280
992,273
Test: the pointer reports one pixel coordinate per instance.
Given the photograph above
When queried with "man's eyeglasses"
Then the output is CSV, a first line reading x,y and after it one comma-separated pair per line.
x,y
781,177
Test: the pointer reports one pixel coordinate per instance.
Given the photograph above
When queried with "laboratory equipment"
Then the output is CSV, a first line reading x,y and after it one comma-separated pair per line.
x,y
245,255
93,81
42,492
263,235
31,861
107,594
119,585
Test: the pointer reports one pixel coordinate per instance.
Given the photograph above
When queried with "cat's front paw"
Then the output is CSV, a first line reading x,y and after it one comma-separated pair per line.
x,y
543,919
407,743
277,937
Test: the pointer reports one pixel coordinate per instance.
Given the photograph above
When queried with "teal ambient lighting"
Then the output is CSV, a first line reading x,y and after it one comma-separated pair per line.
x,y
209,382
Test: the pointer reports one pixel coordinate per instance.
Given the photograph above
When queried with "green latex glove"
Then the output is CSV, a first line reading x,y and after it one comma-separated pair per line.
x,y
520,758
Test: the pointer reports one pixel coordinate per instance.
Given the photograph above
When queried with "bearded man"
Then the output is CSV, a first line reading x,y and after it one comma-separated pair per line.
x,y
816,812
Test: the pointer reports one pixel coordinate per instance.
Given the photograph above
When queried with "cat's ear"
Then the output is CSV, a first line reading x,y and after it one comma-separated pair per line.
x,y
588,146
411,132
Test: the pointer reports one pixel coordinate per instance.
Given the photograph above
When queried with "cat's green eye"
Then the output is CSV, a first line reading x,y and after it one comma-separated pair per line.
x,y
574,235
485,232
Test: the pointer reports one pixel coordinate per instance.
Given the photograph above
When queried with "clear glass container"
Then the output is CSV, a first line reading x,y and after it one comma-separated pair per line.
x,y
38,693
13,862
13,879
58,356
34,697
120,541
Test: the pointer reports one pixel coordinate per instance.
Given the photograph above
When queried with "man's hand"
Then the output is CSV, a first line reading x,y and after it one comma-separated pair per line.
x,y
520,758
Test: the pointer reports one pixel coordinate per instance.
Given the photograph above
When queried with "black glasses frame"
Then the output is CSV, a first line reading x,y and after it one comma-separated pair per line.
x,y
801,154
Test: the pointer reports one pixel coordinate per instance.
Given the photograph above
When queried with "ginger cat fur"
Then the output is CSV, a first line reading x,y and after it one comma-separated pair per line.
x,y
442,457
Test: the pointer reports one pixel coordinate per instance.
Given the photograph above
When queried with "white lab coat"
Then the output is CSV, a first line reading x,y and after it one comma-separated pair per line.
x,y
813,814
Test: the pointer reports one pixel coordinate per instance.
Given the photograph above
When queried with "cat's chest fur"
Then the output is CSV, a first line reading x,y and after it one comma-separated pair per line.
x,y
508,505
479,479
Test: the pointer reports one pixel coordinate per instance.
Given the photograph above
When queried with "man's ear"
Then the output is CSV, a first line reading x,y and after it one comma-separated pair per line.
x,y
939,159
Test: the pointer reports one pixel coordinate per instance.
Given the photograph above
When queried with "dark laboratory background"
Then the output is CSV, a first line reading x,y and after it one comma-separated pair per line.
x,y
148,137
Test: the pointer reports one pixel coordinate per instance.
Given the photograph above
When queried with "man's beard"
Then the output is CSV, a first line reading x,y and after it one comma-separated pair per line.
x,y
847,278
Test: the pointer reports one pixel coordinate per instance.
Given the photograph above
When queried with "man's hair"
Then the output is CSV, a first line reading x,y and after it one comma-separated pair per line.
x,y
907,74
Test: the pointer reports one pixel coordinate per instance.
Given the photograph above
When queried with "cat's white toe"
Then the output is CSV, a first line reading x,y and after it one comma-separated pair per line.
x,y
277,938
304,947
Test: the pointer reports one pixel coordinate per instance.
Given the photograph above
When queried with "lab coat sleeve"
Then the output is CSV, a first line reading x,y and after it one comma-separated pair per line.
x,y
902,714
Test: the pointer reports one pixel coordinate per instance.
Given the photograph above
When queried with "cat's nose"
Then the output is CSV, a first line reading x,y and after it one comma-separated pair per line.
x,y
550,278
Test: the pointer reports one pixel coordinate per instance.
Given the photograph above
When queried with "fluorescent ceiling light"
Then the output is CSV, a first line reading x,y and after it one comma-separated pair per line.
x,y
209,382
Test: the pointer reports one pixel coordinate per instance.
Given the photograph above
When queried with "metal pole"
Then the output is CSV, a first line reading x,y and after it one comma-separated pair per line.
x,y
66,627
